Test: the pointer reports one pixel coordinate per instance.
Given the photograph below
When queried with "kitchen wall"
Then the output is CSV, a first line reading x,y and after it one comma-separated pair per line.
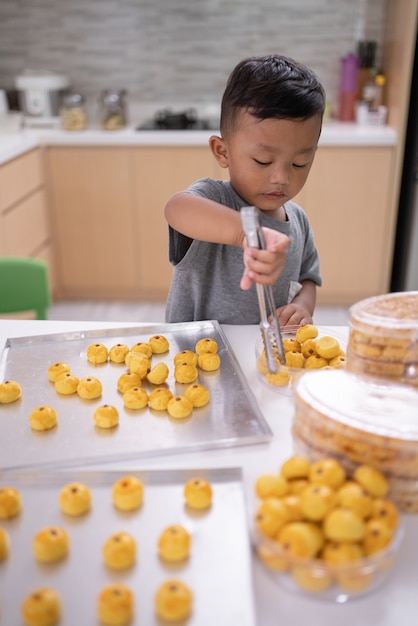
x,y
178,51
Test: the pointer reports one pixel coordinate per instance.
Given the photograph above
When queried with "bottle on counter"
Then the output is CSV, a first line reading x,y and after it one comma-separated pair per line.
x,y
113,115
348,87
73,113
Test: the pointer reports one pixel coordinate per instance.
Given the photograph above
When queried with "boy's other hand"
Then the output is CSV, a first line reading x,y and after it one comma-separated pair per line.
x,y
293,314
265,266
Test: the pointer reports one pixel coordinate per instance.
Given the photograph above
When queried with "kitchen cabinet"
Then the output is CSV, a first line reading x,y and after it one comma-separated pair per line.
x,y
24,223
347,199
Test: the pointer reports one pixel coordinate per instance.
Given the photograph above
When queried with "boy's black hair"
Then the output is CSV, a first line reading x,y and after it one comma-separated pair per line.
x,y
271,86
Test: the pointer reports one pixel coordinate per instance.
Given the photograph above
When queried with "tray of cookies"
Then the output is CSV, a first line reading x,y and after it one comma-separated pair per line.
x,y
83,397
143,547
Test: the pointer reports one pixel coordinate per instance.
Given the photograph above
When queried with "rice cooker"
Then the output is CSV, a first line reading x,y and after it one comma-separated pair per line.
x,y
40,94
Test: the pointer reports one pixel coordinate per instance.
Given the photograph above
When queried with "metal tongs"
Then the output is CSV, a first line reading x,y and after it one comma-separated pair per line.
x,y
270,331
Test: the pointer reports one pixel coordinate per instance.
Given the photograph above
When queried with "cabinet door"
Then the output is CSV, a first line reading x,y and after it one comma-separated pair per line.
x,y
94,221
159,173
347,199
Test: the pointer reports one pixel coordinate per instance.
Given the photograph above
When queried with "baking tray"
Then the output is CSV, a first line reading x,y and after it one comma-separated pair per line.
x,y
231,418
218,570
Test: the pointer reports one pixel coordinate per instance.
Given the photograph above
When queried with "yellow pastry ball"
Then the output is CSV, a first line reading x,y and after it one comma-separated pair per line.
x,y
173,601
143,348
271,516
10,391
338,361
315,362
185,373
198,493
56,369
159,374
89,388
297,485
43,418
309,331
316,501
386,511
327,471
158,398
351,495
198,394
42,607
271,559
118,352
115,605
311,578
119,550
206,345
341,551
159,344
308,348
187,357
4,544
135,398
292,502
10,502
281,378
66,384
209,361
344,525
51,544
327,347
106,416
268,485
301,539
290,343
174,543
75,499
97,353
372,480
128,380
377,536
179,407
128,493
295,467
294,359
139,364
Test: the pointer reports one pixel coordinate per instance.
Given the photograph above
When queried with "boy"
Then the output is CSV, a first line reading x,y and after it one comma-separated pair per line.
x,y
271,119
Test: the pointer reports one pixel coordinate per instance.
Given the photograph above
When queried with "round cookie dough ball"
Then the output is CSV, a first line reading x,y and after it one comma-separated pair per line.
x,y
209,361
42,607
50,544
268,485
281,378
295,467
198,394
128,493
97,353
139,364
327,471
185,373
315,362
75,499
341,552
386,511
174,543
352,496
43,418
4,544
187,357
173,601
159,398
291,343
159,344
316,501
198,493
89,388
310,578
159,374
66,384
207,344
301,539
377,536
118,352
56,369
10,391
179,407
294,359
119,551
128,380
327,347
308,331
372,480
10,502
271,516
115,605
135,398
344,525
308,348
143,348
106,416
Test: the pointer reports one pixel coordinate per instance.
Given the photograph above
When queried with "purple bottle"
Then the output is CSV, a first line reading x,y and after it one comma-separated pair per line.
x,y
348,87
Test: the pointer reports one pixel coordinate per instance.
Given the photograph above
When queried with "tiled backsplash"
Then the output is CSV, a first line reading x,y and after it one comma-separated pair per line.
x,y
178,51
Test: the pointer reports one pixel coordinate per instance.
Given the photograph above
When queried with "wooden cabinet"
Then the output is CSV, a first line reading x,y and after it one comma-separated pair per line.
x,y
24,224
347,199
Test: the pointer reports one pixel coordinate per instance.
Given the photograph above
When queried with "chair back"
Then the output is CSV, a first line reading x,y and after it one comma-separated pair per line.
x,y
24,286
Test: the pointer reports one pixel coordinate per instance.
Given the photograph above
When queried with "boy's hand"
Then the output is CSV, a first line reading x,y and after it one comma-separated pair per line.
x,y
265,266
293,314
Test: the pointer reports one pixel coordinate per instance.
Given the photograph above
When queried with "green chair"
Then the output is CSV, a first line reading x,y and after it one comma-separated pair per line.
x,y
24,286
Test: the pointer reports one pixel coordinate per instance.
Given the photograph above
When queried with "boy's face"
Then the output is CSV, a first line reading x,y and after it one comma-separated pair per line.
x,y
269,160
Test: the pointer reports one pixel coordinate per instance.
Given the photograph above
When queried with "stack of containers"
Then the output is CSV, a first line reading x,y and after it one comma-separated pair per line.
x,y
368,412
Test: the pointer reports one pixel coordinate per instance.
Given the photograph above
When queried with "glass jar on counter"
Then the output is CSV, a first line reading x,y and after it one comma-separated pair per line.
x,y
73,113
113,115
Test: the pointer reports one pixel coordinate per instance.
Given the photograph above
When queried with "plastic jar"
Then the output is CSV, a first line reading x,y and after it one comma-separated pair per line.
x,y
113,114
73,113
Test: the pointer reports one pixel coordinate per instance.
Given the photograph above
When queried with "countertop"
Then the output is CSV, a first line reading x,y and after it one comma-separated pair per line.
x,y
395,603
333,134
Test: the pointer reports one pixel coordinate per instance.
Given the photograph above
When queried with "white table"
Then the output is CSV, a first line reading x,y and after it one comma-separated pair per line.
x,y
395,604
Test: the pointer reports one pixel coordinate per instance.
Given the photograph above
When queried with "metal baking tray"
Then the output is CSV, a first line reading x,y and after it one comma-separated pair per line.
x,y
231,418
218,570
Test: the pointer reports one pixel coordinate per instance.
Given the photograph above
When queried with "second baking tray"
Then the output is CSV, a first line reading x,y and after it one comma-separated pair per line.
x,y
231,418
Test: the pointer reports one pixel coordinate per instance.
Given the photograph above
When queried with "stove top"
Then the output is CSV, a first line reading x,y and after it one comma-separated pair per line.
x,y
183,120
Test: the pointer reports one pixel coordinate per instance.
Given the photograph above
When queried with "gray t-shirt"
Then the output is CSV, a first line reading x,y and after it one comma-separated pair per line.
x,y
206,278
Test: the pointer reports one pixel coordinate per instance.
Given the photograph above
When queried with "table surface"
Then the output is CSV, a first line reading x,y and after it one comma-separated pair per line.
x,y
395,604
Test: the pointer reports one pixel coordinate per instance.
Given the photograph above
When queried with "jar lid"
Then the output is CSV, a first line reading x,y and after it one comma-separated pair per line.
x,y
73,99
397,310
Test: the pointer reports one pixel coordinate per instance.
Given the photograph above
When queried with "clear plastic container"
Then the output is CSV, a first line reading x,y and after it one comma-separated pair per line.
x,y
73,113
113,114
383,337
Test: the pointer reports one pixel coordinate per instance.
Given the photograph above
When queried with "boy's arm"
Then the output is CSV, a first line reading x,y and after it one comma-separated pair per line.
x,y
301,309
